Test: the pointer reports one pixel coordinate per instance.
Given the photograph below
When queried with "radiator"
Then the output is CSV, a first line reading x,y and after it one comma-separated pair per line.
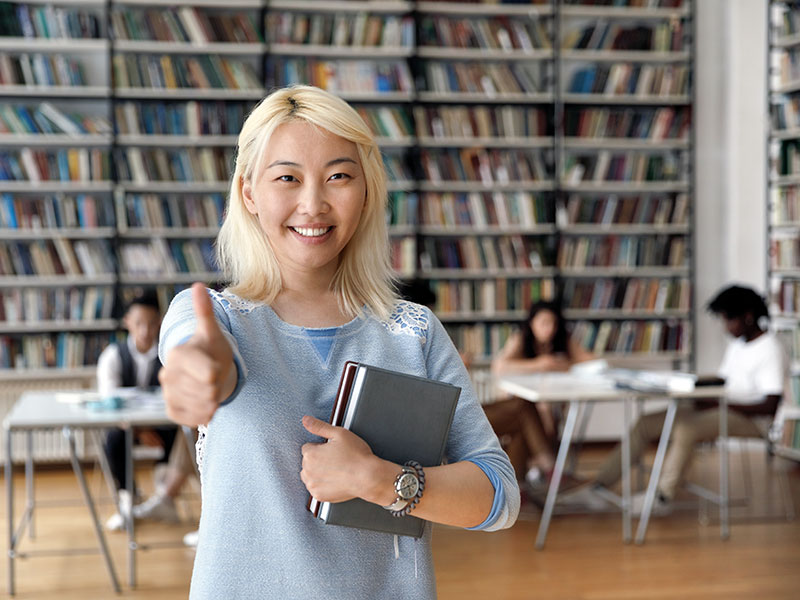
x,y
48,446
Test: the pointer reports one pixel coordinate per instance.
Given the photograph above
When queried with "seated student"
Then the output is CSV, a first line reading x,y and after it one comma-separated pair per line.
x,y
541,344
135,363
754,369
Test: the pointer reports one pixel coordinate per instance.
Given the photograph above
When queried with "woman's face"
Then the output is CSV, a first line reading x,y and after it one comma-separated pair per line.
x,y
308,197
544,325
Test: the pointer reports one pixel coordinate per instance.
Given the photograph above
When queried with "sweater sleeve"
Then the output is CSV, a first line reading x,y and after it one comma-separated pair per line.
x,y
471,436
179,324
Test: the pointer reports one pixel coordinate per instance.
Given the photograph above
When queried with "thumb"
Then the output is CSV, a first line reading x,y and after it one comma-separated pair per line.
x,y
207,327
320,428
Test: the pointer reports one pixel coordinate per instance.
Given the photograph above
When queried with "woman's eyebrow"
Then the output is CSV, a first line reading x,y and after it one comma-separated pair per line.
x,y
330,163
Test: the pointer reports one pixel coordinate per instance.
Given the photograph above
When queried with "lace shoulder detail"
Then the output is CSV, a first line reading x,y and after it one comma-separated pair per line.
x,y
233,302
408,318
199,447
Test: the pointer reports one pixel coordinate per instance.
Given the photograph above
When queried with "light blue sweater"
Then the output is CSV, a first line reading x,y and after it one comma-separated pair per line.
x,y
257,540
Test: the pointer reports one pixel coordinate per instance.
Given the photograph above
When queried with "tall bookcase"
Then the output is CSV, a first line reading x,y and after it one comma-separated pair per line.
x,y
535,150
783,198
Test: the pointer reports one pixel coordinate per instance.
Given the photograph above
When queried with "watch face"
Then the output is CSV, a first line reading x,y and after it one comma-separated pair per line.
x,y
407,486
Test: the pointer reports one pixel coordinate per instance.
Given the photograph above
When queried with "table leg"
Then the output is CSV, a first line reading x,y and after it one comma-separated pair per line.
x,y
626,470
104,467
724,531
655,474
558,469
129,520
101,538
10,512
30,501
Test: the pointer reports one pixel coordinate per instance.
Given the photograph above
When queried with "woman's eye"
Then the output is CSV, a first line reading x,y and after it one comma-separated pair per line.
x,y
287,178
340,176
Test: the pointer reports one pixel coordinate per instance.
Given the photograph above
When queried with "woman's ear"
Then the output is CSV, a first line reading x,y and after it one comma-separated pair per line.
x,y
247,197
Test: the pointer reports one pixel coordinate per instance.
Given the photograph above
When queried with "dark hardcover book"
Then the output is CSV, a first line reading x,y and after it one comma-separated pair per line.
x,y
402,417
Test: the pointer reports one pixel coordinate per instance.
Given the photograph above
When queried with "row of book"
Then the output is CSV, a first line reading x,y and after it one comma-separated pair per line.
x,y
341,29
58,256
34,305
54,212
402,209
637,293
784,205
387,121
187,24
63,350
150,211
488,166
628,3
790,338
790,433
397,167
166,257
342,76
489,33
786,296
648,337
664,123
142,165
480,253
204,71
622,251
627,79
479,121
788,160
45,118
74,164
164,293
488,296
475,209
785,112
180,118
625,210
41,69
787,21
48,22
784,253
403,253
788,65
482,78
480,341
608,165
666,36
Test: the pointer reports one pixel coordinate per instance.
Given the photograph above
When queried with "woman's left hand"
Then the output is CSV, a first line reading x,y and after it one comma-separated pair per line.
x,y
339,469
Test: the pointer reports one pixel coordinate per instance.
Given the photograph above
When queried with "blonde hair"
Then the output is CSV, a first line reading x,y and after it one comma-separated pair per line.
x,y
364,277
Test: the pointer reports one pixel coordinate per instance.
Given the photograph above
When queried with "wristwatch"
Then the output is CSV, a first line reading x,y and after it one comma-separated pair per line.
x,y
406,486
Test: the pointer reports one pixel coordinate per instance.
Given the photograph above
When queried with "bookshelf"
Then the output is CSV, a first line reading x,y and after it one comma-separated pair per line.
x,y
56,220
508,181
783,220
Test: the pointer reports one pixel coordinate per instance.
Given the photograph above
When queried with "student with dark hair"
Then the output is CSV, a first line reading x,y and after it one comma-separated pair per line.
x,y
541,344
135,363
754,369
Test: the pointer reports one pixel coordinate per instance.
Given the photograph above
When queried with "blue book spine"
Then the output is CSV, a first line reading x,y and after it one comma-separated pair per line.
x,y
9,213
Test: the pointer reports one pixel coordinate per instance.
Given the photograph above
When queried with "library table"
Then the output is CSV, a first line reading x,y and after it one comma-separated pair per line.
x,y
69,412
579,389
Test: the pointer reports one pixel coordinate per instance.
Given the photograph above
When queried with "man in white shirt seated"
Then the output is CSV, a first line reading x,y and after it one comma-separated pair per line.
x,y
134,363
755,371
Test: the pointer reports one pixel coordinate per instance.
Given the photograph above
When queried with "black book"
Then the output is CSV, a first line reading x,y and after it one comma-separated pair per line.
x,y
402,417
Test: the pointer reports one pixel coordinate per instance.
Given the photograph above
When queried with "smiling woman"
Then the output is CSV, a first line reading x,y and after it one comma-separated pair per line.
x,y
318,136
304,245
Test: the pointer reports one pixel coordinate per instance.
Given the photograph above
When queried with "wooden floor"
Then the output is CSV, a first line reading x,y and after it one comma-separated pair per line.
x,y
584,557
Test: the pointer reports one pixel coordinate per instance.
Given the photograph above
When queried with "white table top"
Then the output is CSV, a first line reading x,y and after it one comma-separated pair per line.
x,y
43,409
553,387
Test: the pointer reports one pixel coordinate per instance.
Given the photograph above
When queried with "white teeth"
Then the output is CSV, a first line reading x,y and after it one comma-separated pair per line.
x,y
311,231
